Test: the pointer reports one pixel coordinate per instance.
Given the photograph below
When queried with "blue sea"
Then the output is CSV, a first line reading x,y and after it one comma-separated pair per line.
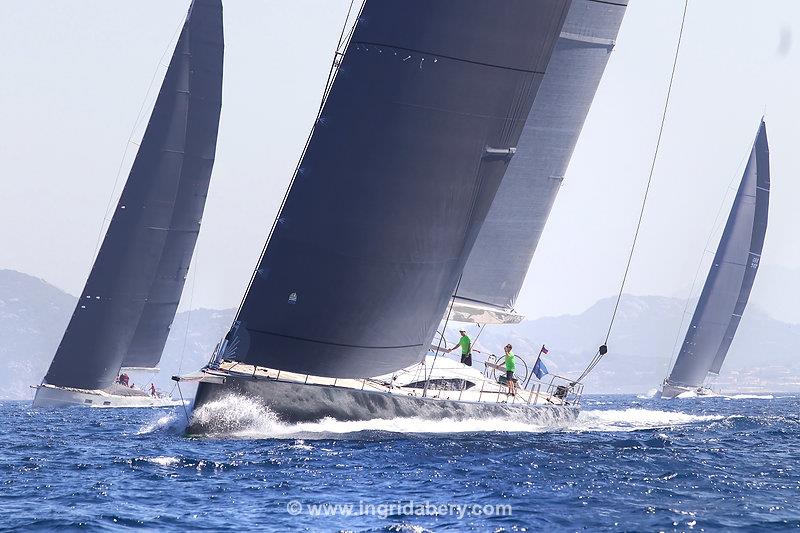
x,y
627,464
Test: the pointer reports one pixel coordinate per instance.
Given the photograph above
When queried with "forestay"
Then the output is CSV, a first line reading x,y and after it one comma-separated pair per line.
x,y
401,168
727,288
132,293
506,243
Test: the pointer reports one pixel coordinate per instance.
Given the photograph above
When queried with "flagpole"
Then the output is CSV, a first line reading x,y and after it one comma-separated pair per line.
x,y
527,381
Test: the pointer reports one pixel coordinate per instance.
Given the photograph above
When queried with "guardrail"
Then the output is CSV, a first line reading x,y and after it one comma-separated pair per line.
x,y
565,389
560,387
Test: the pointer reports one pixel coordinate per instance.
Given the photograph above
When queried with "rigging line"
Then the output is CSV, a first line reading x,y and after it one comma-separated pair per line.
x,y
328,85
336,60
183,402
652,169
344,26
130,141
603,350
189,312
479,333
444,328
475,342
420,366
342,38
673,353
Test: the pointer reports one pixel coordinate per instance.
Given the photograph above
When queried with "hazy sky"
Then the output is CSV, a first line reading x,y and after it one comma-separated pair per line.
x,y
75,75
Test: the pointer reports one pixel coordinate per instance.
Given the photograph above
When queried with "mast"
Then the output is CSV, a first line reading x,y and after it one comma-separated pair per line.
x,y
130,298
502,254
398,175
730,280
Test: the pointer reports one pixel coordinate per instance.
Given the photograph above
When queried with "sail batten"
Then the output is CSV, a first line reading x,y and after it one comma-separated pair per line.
x,y
394,184
731,276
502,254
131,295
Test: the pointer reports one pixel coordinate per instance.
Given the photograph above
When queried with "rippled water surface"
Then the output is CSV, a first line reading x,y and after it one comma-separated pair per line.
x,y
626,464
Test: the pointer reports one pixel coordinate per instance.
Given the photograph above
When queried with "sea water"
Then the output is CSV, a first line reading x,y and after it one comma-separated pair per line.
x,y
627,463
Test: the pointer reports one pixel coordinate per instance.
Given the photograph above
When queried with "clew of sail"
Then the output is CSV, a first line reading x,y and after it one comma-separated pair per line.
x,y
502,254
402,165
730,279
130,298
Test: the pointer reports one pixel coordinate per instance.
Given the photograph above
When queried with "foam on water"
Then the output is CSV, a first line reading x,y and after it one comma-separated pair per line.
x,y
163,422
240,417
633,419
693,394
162,460
651,393
173,423
237,416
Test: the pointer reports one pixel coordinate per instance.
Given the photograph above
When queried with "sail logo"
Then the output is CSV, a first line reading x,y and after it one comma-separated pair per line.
x,y
292,298
754,260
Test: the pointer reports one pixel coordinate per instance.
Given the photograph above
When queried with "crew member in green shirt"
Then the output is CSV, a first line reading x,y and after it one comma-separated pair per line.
x,y
466,348
511,366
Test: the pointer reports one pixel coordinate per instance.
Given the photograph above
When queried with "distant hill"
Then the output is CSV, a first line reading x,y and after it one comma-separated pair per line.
x,y
775,291
34,315
764,356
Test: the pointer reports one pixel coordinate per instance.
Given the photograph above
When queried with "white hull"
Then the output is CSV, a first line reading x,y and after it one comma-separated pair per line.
x,y
52,396
669,391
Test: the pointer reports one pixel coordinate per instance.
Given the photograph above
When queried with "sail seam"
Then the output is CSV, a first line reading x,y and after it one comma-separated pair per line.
x,y
460,59
464,114
293,337
609,3
174,230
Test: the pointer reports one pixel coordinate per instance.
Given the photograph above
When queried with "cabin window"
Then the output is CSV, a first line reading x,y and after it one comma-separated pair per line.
x,y
87,401
443,384
106,403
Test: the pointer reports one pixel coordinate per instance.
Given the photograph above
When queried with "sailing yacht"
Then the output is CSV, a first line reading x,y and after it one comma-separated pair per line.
x,y
730,280
435,135
124,313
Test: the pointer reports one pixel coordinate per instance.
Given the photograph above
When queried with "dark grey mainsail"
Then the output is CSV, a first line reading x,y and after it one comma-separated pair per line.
x,y
504,249
727,288
131,295
400,170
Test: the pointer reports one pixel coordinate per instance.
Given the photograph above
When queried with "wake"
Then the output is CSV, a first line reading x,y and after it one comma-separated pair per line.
x,y
243,418
692,394
173,423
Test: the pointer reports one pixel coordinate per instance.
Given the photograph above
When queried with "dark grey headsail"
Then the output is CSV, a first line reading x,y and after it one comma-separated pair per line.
x,y
731,277
130,298
504,249
401,168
